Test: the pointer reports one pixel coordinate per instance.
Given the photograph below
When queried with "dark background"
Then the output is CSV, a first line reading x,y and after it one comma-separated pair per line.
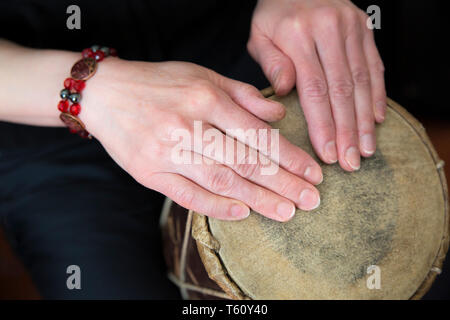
x,y
412,42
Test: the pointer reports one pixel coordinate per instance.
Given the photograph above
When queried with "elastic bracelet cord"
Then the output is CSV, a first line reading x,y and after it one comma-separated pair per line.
x,y
81,71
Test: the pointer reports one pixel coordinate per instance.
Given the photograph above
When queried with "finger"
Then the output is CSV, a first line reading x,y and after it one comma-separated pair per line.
x,y
331,49
376,69
313,93
250,165
239,124
191,196
223,181
363,96
251,99
277,66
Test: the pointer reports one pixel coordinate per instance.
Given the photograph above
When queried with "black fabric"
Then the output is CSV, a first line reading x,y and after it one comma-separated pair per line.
x,y
69,204
211,33
63,201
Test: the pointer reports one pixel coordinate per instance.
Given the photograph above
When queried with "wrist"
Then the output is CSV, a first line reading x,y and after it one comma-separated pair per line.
x,y
71,104
30,81
100,94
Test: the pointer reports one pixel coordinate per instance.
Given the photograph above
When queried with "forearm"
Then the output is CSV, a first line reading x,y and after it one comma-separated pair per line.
x,y
30,82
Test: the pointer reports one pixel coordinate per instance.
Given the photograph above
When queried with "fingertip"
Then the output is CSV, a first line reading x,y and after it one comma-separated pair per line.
x,y
367,145
313,174
239,211
284,82
309,199
366,154
285,211
380,112
330,152
277,111
352,159
380,119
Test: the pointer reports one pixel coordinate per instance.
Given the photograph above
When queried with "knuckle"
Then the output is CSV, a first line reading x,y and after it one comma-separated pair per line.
x,y
222,181
362,15
367,126
361,77
328,15
378,67
288,187
259,196
322,125
248,90
294,164
295,23
315,89
246,165
204,94
352,15
342,88
247,170
347,132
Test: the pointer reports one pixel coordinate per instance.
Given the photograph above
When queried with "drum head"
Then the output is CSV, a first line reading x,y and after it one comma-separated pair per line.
x,y
391,214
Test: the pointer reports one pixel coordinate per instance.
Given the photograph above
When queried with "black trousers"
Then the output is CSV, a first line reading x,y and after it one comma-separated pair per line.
x,y
65,202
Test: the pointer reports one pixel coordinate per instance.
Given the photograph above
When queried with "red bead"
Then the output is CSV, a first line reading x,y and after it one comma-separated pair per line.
x,y
63,105
75,109
112,52
87,53
78,85
99,55
68,83
84,134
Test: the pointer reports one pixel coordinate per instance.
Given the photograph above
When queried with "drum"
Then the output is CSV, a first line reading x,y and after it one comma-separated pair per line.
x,y
379,233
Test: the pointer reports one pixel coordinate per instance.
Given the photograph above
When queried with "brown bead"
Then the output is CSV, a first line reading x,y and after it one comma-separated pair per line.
x,y
84,69
73,123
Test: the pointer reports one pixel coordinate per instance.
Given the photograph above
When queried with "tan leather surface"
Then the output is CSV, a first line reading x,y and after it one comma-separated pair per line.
x,y
393,213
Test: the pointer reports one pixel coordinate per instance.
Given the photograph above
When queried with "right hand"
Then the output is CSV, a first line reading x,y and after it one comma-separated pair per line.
x,y
133,108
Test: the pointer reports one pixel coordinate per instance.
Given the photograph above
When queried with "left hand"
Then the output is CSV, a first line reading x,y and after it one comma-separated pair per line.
x,y
326,49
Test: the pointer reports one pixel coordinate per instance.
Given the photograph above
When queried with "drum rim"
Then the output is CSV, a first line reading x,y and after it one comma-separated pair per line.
x,y
208,246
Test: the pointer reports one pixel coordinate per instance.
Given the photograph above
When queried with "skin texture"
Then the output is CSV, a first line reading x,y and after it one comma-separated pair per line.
x,y
325,48
135,108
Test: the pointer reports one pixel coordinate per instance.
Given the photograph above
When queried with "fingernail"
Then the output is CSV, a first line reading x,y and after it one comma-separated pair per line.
x,y
380,109
285,210
239,211
353,158
368,143
330,152
313,175
309,200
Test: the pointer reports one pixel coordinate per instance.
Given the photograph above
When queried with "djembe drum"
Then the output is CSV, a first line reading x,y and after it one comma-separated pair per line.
x,y
388,220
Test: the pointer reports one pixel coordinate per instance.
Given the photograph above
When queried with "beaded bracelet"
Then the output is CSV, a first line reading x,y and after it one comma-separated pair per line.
x,y
81,71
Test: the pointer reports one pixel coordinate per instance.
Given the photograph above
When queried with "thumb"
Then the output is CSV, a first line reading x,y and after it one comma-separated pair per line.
x,y
277,66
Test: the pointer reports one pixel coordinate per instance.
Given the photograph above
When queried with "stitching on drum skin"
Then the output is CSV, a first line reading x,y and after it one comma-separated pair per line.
x,y
244,294
426,282
437,270
184,249
421,290
429,278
